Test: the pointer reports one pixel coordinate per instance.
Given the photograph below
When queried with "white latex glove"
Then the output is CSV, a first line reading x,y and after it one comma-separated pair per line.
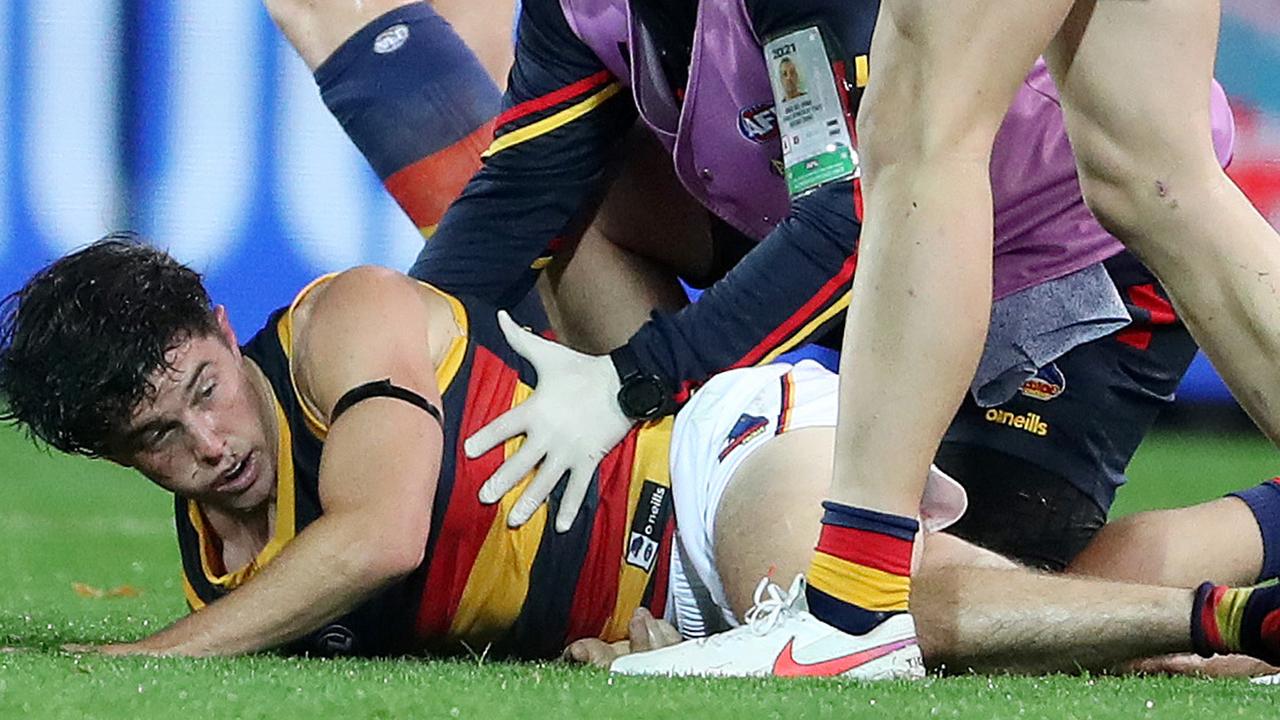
x,y
570,423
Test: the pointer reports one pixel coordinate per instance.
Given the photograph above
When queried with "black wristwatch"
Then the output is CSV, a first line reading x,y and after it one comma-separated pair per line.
x,y
643,396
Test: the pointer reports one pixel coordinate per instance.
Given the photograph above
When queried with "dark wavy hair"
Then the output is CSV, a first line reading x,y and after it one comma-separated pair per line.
x,y
81,342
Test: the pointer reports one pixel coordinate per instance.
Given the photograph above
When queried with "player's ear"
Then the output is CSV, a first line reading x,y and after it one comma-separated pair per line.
x,y
225,330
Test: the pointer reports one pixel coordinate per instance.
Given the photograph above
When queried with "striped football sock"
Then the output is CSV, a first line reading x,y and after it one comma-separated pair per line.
x,y
861,569
1237,620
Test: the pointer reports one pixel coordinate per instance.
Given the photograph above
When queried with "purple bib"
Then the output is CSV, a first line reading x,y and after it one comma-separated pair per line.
x,y
724,141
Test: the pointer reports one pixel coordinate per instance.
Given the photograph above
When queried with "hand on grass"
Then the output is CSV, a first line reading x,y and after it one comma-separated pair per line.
x,y
646,633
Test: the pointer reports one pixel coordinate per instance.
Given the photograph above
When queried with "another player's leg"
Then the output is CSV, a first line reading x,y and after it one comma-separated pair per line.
x,y
942,78
1039,480
1227,620
1184,546
406,89
977,610
1135,82
486,27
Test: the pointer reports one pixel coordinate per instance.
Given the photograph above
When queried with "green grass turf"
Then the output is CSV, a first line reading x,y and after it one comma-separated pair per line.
x,y
65,521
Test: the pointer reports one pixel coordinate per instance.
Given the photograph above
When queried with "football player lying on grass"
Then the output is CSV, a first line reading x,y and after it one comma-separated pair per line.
x,y
324,503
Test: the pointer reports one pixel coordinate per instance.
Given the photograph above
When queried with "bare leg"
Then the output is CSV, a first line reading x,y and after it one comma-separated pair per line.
x,y
1216,541
1016,620
1134,79
597,297
975,609
486,27
316,29
943,75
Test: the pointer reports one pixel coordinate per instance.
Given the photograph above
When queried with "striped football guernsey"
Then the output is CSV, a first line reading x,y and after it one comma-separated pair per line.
x,y
522,592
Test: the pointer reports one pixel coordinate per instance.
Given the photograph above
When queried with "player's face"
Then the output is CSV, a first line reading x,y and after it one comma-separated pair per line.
x,y
204,435
790,77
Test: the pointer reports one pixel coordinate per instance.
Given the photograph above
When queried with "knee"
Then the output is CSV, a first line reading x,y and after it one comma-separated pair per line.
x,y
1133,548
1115,188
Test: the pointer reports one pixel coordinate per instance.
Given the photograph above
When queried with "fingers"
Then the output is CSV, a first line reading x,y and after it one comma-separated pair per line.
x,y
537,491
591,651
574,493
638,629
650,633
665,633
504,427
508,475
581,651
530,346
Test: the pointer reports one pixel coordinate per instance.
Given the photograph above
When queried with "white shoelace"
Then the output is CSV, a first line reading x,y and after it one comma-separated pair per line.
x,y
769,605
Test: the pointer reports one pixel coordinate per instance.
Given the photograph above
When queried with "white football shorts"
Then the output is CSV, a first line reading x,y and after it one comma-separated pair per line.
x,y
727,420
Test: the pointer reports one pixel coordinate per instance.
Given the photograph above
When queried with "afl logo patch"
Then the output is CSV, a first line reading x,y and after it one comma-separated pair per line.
x,y
758,123
1047,384
391,39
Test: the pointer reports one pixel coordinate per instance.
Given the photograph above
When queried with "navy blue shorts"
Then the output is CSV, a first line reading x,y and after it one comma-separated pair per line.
x,y
1042,469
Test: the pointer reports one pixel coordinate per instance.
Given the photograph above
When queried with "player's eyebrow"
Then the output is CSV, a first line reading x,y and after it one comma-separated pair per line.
x,y
137,432
145,428
195,377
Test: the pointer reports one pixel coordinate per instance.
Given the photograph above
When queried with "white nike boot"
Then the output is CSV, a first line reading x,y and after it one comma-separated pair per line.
x,y
782,638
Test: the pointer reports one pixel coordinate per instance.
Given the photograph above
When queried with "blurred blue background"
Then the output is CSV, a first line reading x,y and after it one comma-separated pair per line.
x,y
193,122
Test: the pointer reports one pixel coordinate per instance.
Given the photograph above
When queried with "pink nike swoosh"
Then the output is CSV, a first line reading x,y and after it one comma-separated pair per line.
x,y
787,666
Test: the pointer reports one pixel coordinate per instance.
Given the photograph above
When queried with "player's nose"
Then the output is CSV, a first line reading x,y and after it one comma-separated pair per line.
x,y
207,443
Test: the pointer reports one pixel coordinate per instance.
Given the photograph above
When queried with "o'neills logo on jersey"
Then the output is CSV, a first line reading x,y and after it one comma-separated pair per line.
x,y
1031,422
648,524
1047,384
758,123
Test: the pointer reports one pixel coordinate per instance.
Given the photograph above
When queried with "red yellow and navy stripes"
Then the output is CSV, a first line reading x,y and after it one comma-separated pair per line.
x,y
861,568
541,115
528,591
786,403
1226,620
425,188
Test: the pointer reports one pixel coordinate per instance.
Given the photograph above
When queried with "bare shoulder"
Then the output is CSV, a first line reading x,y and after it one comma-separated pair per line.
x,y
355,294
366,321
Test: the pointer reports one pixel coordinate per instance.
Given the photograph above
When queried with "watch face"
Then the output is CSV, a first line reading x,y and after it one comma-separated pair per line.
x,y
641,397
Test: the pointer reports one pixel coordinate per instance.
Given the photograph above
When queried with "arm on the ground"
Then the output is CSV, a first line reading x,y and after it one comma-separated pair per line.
x,y
377,480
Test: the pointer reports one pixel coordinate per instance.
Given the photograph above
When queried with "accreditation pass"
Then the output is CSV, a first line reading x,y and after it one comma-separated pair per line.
x,y
816,147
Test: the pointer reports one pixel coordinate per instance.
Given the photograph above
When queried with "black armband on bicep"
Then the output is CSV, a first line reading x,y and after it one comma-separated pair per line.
x,y
383,388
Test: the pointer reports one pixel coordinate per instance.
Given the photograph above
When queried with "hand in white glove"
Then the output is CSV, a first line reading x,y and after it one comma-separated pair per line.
x,y
570,423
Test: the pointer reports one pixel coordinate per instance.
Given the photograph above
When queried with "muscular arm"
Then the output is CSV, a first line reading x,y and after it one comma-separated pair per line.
x,y
796,282
563,116
377,475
